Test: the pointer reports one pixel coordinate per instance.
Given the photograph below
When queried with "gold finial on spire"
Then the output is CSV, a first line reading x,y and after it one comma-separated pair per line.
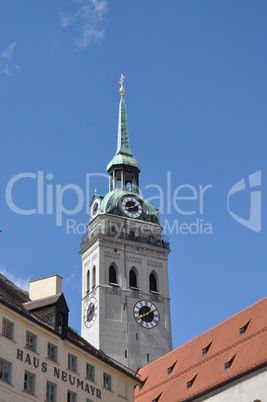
x,y
122,90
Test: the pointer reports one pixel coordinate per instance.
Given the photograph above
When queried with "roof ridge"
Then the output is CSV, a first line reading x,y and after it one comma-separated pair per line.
x,y
12,285
223,322
43,298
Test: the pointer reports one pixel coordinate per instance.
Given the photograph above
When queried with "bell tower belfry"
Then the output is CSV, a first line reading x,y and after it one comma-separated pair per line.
x,y
125,289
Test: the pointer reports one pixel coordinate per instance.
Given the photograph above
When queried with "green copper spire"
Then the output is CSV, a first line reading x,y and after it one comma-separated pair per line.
x,y
123,155
124,173
123,136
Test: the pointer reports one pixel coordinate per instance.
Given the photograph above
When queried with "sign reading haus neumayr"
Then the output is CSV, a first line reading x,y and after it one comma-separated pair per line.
x,y
60,374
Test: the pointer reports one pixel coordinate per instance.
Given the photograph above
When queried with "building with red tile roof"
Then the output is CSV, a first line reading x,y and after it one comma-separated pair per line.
x,y
226,363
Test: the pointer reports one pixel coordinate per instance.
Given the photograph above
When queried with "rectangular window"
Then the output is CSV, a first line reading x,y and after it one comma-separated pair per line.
x,y
5,371
51,392
72,397
227,366
107,381
29,382
90,372
52,352
189,385
31,341
60,323
242,331
7,329
72,362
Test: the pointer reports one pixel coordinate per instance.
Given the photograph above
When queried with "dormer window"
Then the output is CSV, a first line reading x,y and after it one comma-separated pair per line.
x,y
228,364
191,382
143,383
60,323
206,349
157,398
170,369
243,329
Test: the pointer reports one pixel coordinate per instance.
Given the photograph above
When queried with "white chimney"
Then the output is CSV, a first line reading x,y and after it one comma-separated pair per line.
x,y
45,287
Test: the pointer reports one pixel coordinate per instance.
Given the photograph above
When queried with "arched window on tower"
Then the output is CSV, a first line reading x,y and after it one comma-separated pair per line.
x,y
94,277
113,280
88,282
133,278
153,282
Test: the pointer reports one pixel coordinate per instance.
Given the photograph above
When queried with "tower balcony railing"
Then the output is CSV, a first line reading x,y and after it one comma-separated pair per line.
x,y
156,241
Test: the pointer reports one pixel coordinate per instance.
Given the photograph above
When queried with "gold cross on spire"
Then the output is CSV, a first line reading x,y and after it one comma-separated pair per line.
x,y
122,90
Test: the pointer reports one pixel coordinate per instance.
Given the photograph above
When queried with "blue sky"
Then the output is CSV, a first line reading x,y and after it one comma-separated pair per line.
x,y
195,80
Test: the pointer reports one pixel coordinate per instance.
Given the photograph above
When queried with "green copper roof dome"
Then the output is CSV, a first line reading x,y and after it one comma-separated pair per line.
x,y
110,204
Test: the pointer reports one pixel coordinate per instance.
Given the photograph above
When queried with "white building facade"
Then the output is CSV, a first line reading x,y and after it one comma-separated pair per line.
x,y
40,361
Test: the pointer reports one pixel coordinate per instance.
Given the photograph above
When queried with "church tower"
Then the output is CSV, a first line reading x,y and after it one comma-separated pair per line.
x,y
125,289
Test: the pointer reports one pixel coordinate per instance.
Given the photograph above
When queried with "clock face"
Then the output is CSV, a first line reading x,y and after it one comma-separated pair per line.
x,y
95,208
146,314
90,311
131,207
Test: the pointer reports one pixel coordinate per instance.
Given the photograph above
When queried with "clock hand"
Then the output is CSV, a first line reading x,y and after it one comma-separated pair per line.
x,y
143,315
90,311
133,206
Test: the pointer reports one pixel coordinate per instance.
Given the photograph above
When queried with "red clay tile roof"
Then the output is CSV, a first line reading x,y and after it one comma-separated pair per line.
x,y
248,352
